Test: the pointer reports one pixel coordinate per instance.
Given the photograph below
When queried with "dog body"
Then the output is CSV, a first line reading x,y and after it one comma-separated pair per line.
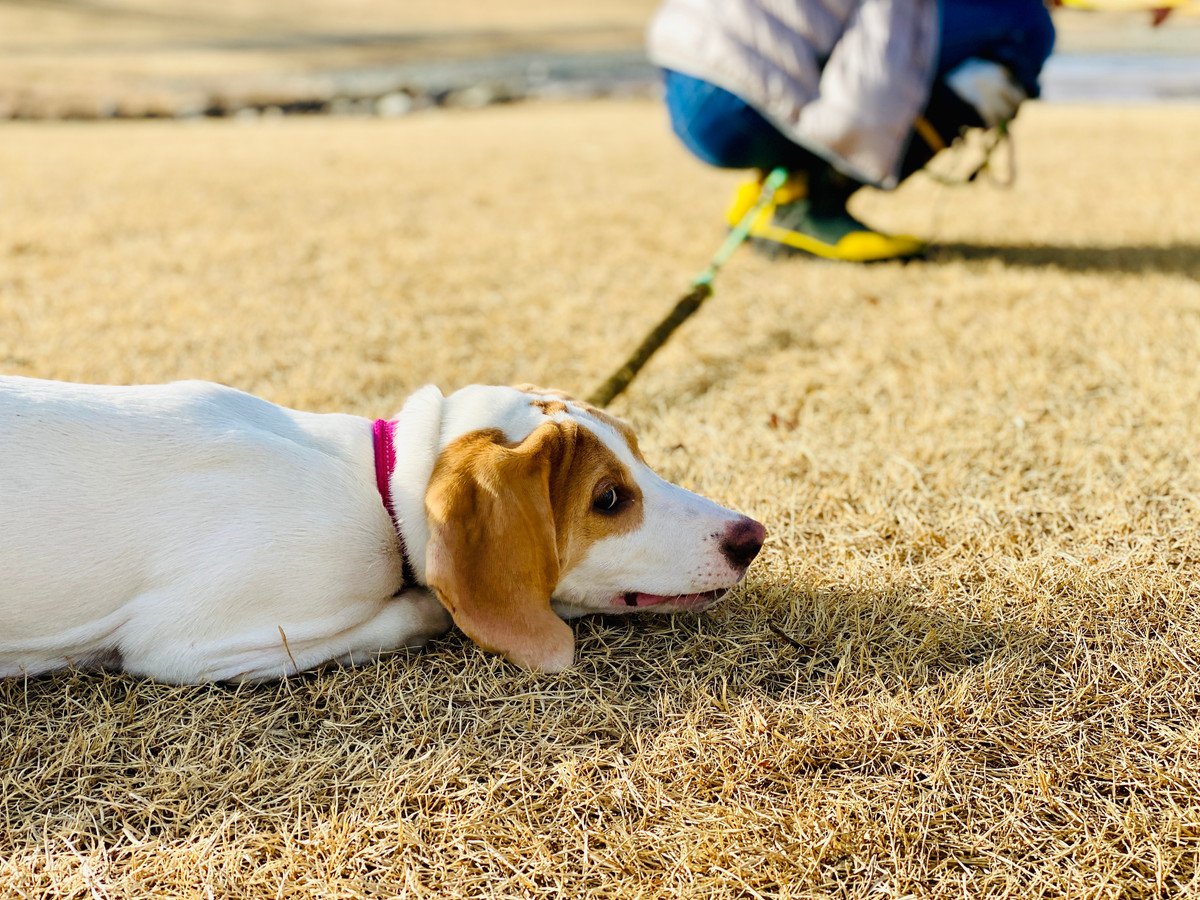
x,y
190,532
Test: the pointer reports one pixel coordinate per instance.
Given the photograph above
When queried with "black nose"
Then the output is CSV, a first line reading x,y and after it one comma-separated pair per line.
x,y
742,542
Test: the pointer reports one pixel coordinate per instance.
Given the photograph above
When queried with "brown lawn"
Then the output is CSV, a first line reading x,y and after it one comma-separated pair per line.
x,y
968,663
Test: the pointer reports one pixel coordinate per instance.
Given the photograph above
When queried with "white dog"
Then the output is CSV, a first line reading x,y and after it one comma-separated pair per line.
x,y
190,532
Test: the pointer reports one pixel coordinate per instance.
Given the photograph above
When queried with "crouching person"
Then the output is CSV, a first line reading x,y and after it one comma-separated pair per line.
x,y
841,93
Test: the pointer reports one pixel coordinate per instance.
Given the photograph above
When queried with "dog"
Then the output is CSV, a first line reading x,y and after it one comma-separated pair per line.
x,y
190,532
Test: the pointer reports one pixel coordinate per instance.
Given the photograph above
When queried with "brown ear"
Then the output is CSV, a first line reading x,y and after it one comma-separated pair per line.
x,y
492,558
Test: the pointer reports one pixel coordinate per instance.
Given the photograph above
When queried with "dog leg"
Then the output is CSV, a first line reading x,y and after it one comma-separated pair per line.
x,y
408,621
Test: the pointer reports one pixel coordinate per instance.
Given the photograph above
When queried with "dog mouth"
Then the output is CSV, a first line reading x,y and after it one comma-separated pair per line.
x,y
639,600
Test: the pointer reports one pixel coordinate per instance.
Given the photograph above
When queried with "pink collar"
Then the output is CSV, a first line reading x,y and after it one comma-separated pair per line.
x,y
383,434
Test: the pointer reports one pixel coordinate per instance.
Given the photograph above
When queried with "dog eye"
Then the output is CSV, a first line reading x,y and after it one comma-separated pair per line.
x,y
608,502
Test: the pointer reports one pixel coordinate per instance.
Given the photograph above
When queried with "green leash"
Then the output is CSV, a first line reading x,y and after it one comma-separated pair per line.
x,y
702,289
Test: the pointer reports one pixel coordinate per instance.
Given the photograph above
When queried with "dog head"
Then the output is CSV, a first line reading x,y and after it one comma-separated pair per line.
x,y
541,507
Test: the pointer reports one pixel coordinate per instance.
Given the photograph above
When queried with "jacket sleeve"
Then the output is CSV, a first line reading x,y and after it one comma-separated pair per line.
x,y
873,86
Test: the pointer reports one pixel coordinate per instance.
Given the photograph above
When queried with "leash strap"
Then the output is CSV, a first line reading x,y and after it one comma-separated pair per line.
x,y
702,289
773,182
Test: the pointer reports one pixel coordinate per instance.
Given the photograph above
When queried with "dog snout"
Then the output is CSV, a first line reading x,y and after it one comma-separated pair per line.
x,y
742,541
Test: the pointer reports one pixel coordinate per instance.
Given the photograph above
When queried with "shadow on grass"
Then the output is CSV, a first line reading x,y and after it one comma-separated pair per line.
x,y
1178,258
92,758
788,642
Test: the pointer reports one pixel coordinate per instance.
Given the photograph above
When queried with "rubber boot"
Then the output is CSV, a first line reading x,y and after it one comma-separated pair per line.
x,y
808,215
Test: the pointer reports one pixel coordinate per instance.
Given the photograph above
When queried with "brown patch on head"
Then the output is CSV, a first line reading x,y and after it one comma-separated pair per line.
x,y
507,521
549,406
618,425
591,472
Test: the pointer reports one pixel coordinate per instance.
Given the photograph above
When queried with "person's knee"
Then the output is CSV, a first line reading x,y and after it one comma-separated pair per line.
x,y
703,118
1040,33
1033,45
1017,33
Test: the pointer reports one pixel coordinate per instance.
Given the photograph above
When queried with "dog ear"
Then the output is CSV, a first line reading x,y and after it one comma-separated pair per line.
x,y
493,558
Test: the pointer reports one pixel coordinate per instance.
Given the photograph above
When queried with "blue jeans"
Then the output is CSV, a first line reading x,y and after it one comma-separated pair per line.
x,y
1018,34
725,131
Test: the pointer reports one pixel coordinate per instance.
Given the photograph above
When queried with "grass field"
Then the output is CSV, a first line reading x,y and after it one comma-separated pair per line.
x,y
968,663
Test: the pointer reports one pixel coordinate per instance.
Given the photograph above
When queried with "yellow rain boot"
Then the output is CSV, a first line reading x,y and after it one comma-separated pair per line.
x,y
747,193
789,225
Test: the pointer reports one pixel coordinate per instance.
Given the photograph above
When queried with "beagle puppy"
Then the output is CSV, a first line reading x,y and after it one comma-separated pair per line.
x,y
190,532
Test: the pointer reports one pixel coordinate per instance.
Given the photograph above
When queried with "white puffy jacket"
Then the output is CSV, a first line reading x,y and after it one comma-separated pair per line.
x,y
843,78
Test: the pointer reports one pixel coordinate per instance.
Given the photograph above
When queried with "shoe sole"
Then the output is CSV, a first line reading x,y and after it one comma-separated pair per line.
x,y
773,249
765,235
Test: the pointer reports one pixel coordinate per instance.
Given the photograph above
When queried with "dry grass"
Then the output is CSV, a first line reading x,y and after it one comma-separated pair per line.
x,y
968,665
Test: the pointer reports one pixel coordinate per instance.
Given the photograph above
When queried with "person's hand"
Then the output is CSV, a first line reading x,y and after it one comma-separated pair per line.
x,y
989,88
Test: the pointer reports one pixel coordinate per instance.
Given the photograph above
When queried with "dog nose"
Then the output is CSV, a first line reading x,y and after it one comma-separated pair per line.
x,y
742,542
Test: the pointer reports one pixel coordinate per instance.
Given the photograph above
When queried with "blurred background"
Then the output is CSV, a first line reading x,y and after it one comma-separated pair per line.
x,y
79,59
